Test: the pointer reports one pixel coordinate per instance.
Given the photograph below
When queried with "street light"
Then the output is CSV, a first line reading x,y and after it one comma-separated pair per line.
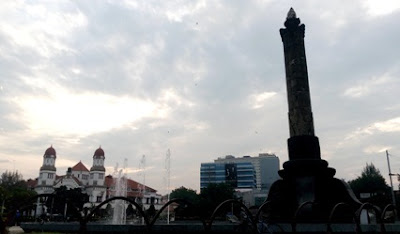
x,y
397,174
390,177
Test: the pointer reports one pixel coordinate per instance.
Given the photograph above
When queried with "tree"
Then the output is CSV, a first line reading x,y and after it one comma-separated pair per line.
x,y
151,211
184,193
213,195
130,211
372,183
13,190
14,194
190,195
10,180
74,198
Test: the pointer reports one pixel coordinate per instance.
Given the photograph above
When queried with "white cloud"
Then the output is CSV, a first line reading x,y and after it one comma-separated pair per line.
x,y
42,28
375,149
82,114
114,170
380,8
172,99
366,87
391,125
179,9
62,161
259,100
199,126
190,69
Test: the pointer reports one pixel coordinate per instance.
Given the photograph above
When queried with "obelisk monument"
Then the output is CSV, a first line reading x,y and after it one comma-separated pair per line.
x,y
306,178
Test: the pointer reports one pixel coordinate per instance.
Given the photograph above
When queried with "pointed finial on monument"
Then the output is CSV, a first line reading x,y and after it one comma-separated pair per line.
x,y
291,14
292,22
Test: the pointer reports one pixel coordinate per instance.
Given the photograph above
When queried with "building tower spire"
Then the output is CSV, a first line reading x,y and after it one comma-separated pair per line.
x,y
47,176
96,188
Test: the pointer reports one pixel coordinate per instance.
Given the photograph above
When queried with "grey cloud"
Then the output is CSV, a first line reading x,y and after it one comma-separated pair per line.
x,y
230,51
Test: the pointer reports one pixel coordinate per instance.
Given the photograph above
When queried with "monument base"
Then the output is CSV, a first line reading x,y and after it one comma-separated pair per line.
x,y
309,192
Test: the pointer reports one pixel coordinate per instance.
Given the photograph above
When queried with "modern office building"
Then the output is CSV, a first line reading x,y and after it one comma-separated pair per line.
x,y
239,174
251,177
266,167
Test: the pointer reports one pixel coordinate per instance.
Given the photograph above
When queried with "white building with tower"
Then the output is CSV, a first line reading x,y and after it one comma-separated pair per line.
x,y
96,187
47,172
94,182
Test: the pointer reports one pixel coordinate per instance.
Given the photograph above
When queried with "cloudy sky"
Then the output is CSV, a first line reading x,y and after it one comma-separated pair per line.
x,y
204,79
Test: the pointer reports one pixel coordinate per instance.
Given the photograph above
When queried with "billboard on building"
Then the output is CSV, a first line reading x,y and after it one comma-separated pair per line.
x,y
231,174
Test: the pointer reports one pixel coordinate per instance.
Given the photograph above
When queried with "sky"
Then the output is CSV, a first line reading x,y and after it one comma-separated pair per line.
x,y
203,79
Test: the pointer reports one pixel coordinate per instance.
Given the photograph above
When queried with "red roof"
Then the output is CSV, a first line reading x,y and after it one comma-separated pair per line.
x,y
31,183
133,186
66,177
98,153
50,151
79,167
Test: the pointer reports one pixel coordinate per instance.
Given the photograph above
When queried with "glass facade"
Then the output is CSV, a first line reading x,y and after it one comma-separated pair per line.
x,y
239,175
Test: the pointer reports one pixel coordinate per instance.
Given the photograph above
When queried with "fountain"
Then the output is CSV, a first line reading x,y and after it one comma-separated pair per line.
x,y
168,177
142,187
142,173
119,212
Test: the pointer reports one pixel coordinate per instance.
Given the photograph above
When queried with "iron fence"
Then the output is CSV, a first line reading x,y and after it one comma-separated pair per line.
x,y
257,223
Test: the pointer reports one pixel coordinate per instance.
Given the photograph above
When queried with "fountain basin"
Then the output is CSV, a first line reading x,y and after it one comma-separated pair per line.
x,y
197,227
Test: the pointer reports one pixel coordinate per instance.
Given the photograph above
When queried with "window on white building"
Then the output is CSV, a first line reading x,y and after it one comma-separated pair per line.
x,y
95,182
50,176
101,176
91,176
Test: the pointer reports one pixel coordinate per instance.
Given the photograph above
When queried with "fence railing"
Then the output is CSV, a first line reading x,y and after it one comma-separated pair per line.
x,y
257,223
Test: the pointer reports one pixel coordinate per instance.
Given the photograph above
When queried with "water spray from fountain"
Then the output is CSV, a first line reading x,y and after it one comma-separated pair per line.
x,y
120,185
142,186
142,170
168,176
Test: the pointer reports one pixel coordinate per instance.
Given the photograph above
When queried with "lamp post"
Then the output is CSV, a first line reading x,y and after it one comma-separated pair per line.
x,y
390,177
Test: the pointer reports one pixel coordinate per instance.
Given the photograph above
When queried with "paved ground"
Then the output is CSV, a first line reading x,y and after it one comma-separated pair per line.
x,y
15,230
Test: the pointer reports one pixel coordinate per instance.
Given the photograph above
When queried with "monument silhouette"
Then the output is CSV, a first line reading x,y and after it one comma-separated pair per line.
x,y
308,187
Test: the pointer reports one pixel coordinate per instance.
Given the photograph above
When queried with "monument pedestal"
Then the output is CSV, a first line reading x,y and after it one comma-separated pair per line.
x,y
308,190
